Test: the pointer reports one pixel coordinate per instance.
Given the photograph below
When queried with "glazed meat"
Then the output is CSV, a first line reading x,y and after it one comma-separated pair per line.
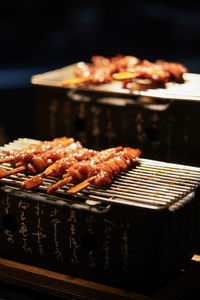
x,y
127,68
79,171
175,70
60,166
17,157
103,171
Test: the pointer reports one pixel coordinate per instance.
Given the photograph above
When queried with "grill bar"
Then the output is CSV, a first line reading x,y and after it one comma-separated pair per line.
x,y
149,183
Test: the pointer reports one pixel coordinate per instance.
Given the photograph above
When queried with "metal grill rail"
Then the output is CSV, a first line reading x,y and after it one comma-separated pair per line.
x,y
149,183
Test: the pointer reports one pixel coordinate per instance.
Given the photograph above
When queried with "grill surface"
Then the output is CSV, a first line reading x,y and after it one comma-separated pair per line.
x,y
152,184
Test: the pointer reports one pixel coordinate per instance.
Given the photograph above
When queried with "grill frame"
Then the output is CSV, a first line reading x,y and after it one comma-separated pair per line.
x,y
149,183
188,91
123,244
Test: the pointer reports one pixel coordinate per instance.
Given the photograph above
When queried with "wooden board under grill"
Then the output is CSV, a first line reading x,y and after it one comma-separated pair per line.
x,y
185,285
189,90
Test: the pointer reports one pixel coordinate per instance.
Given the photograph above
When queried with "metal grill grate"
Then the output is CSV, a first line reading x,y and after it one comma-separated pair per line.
x,y
149,183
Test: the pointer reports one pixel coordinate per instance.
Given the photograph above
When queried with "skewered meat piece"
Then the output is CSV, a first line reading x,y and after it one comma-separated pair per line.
x,y
103,173
59,167
95,74
125,63
105,155
40,162
148,70
15,156
158,74
104,170
43,146
101,157
175,70
116,63
102,68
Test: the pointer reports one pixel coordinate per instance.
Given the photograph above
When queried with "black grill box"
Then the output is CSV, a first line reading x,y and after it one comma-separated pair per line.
x,y
122,245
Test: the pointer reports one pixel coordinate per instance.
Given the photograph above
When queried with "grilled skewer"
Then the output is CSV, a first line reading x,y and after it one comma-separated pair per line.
x,y
126,69
175,70
59,167
100,70
159,72
102,173
15,156
84,170
39,162
99,157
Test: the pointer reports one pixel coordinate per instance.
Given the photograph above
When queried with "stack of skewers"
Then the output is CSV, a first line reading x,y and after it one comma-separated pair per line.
x,y
68,161
133,72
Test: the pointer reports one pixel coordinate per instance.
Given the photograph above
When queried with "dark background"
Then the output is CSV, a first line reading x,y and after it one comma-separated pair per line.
x,y
52,33
38,36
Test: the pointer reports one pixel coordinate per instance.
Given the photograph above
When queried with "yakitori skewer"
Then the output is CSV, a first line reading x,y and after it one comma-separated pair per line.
x,y
34,163
126,68
99,157
145,70
59,167
82,170
15,156
100,69
4,173
104,172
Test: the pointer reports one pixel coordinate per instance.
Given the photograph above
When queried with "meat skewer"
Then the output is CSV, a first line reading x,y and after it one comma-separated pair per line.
x,y
159,72
83,170
39,162
104,172
101,69
15,156
4,173
176,70
99,157
126,68
59,167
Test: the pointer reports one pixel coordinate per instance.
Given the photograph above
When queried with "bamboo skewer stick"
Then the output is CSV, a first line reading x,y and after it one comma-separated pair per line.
x,y
4,173
35,182
7,159
79,187
125,75
75,80
116,76
37,179
58,184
